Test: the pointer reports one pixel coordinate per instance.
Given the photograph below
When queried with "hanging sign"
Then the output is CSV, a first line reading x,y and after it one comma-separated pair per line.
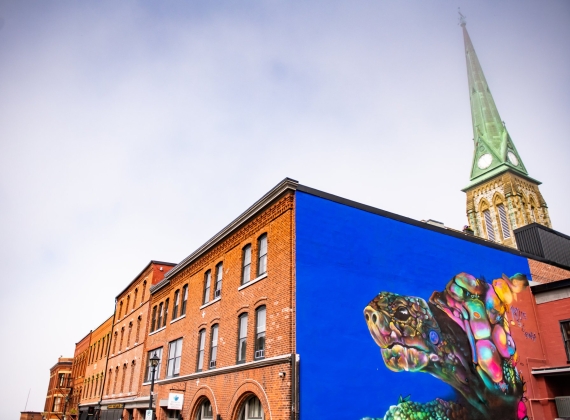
x,y
175,401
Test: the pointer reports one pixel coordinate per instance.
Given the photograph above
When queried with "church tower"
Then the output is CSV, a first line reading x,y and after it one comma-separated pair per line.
x,y
501,196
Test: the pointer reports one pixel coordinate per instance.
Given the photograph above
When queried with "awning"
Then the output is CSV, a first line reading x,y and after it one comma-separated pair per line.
x,y
559,370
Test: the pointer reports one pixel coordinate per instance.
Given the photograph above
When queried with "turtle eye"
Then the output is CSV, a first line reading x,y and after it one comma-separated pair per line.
x,y
402,314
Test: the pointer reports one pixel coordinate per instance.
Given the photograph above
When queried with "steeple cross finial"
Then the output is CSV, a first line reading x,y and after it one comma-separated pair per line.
x,y
462,20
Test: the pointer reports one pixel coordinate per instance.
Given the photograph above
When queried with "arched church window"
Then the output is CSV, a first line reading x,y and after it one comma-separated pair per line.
x,y
252,409
505,228
489,225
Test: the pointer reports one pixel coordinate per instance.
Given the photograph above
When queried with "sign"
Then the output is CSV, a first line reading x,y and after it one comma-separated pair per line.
x,y
175,401
148,415
111,406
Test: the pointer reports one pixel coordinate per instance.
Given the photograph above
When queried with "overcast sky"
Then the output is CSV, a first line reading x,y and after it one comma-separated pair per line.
x,y
136,130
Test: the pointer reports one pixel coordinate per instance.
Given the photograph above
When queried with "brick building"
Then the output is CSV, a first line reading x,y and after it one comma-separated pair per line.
x,y
78,373
59,389
98,353
121,396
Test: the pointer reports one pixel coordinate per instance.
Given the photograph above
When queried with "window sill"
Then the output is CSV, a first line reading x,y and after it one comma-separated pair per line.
x,y
178,319
255,280
157,331
211,302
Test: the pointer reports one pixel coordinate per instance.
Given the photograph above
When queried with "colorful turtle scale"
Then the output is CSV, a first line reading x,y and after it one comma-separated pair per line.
x,y
461,336
480,310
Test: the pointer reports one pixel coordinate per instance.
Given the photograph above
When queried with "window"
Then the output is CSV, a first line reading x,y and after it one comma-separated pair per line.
x,y
172,414
109,381
121,342
201,342
160,314
251,410
242,338
262,254
260,332
565,327
129,334
60,380
132,376
148,374
135,299
115,342
143,291
176,303
165,312
174,353
214,346
103,347
504,222
184,300
153,322
123,378
120,310
218,285
127,305
115,380
138,329
246,271
207,281
57,404
489,225
205,411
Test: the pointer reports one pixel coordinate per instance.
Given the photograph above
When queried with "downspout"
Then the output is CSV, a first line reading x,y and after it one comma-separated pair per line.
x,y
294,356
106,362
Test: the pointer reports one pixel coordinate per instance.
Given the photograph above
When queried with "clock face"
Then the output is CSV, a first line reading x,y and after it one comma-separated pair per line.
x,y
485,161
512,158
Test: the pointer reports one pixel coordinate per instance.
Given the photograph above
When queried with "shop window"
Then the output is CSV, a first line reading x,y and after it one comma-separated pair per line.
x,y
262,255
207,281
201,343
260,333
218,285
252,410
205,411
242,338
213,346
565,327
246,264
148,373
184,300
172,414
174,354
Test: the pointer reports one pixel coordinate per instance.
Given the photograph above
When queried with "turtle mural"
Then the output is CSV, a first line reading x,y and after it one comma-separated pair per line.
x,y
461,336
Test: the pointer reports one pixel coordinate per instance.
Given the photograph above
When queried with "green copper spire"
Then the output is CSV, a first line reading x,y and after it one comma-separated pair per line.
x,y
495,152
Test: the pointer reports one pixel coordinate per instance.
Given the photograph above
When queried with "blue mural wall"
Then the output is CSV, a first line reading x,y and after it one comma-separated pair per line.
x,y
345,258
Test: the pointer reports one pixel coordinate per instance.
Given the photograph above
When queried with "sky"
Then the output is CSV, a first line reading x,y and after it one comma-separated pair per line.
x,y
133,131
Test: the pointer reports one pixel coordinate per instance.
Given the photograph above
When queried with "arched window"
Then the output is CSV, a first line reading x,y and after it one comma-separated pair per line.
x,y
103,347
115,379
115,342
213,346
201,344
120,310
184,300
218,285
166,302
205,411
109,381
122,336
207,282
128,303
262,254
160,314
123,378
176,304
252,409
246,264
260,314
242,338
135,299
505,228
129,334
132,376
143,291
153,319
488,221
138,329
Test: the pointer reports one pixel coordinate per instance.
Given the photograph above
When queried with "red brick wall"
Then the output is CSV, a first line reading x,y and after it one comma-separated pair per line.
x,y
549,315
227,391
545,273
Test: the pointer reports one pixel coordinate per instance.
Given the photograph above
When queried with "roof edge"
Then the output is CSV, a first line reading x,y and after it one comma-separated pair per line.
x,y
141,273
283,186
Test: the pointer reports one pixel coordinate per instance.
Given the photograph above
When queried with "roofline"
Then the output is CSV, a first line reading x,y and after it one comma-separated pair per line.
x,y
86,335
446,231
99,326
141,273
546,287
497,171
62,363
286,184
289,184
542,227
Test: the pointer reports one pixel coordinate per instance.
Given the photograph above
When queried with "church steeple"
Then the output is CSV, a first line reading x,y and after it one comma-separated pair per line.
x,y
494,152
500,195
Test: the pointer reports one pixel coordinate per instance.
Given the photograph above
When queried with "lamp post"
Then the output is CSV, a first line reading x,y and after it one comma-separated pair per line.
x,y
154,360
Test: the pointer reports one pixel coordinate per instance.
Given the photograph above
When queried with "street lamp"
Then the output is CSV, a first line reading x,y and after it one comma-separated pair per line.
x,y
154,360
